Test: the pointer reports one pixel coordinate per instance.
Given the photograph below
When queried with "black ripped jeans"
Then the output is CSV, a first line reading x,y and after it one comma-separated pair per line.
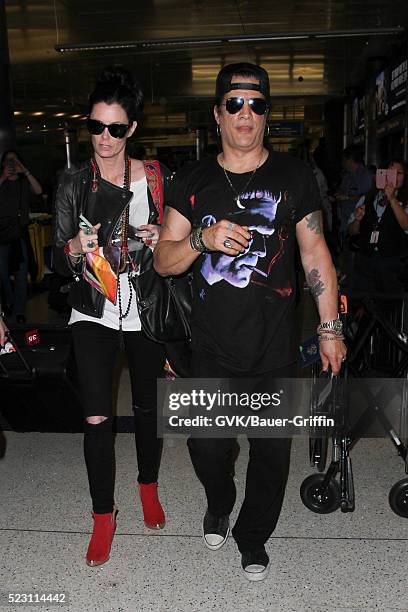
x,y
96,348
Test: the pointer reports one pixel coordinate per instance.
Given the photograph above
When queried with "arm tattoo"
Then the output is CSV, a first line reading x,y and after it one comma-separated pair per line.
x,y
314,222
315,283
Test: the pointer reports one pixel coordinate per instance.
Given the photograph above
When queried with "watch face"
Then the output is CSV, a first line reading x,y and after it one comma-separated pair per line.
x,y
337,325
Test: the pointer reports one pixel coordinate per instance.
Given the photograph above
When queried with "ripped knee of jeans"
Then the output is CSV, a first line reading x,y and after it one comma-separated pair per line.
x,y
105,425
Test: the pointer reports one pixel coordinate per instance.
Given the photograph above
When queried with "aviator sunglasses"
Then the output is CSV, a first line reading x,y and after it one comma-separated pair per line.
x,y
257,105
117,130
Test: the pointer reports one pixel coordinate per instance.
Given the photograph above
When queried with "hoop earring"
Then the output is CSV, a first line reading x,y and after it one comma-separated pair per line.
x,y
218,130
267,130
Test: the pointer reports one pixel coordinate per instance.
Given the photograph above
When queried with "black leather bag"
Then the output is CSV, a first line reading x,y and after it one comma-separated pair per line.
x,y
164,304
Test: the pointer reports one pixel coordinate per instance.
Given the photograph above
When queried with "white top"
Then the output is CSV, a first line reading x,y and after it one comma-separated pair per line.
x,y
138,215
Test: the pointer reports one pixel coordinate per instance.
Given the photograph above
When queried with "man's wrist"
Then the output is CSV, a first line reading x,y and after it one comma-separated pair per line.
x,y
330,326
196,240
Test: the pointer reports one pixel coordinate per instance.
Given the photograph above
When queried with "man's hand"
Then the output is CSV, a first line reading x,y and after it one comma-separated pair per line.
x,y
332,353
226,237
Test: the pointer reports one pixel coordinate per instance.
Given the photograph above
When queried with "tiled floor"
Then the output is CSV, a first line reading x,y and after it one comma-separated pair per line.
x,y
319,563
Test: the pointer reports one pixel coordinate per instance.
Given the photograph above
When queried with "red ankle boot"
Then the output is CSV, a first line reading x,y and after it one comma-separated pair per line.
x,y
102,536
152,511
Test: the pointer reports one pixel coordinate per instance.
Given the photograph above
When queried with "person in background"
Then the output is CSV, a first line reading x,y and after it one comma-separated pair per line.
x,y
357,181
112,192
17,185
379,224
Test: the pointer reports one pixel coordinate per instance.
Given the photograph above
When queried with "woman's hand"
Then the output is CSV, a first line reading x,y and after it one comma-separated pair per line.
x,y
85,242
359,212
19,168
390,192
152,234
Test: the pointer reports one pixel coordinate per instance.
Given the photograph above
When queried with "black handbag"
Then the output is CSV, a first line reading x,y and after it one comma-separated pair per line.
x,y
164,304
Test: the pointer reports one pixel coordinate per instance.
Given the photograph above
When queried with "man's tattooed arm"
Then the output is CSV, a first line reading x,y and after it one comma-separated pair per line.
x,y
317,287
315,222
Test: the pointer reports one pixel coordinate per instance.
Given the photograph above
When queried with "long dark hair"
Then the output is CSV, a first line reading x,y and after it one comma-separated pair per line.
x,y
403,191
117,86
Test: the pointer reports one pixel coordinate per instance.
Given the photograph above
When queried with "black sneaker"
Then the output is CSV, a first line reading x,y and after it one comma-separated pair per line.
x,y
215,530
255,564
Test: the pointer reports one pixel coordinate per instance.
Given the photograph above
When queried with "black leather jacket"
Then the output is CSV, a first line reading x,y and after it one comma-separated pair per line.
x,y
74,196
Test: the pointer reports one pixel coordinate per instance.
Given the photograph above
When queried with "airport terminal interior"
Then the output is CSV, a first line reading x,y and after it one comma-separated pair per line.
x,y
339,91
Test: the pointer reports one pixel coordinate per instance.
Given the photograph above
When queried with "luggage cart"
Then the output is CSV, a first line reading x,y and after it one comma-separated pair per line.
x,y
322,493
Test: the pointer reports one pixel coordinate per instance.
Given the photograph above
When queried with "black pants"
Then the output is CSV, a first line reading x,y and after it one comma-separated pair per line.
x,y
267,470
96,349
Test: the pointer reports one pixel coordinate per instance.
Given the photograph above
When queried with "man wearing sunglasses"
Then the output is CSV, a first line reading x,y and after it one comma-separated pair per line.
x,y
218,209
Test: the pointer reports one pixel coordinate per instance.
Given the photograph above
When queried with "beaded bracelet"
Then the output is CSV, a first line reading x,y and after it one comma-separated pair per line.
x,y
324,337
330,332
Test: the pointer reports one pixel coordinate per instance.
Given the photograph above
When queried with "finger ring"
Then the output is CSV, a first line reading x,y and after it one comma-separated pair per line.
x,y
227,244
90,244
88,231
230,226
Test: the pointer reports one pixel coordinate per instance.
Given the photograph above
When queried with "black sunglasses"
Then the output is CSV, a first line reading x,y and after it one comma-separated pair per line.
x,y
258,105
117,130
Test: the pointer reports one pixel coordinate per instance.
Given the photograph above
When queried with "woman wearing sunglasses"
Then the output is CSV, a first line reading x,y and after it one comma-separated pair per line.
x,y
113,195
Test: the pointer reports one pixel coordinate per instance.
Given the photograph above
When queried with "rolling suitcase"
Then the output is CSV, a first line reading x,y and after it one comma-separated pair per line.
x,y
38,386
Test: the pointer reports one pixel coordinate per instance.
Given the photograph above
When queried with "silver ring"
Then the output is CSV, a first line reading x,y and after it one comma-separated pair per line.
x,y
88,231
227,244
230,226
90,244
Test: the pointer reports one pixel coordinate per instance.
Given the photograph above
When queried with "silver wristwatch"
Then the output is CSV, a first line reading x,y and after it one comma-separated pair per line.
x,y
335,324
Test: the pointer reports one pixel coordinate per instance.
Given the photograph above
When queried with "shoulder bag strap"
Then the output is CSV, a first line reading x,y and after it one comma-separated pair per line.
x,y
155,185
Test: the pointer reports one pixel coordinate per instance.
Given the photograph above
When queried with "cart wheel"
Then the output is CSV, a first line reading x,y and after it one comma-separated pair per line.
x,y
398,498
319,498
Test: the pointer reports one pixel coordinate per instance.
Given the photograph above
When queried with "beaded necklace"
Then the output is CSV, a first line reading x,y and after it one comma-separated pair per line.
x,y
121,230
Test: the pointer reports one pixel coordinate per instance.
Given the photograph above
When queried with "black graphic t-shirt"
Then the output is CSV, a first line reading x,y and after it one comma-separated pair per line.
x,y
243,309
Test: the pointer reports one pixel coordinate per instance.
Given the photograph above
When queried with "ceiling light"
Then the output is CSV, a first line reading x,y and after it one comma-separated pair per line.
x,y
38,114
195,40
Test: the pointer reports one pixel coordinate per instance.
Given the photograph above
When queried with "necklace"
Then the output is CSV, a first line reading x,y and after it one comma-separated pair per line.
x,y
238,195
121,232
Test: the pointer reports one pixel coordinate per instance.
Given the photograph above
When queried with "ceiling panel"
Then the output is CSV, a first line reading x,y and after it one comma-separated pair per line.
x,y
177,78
